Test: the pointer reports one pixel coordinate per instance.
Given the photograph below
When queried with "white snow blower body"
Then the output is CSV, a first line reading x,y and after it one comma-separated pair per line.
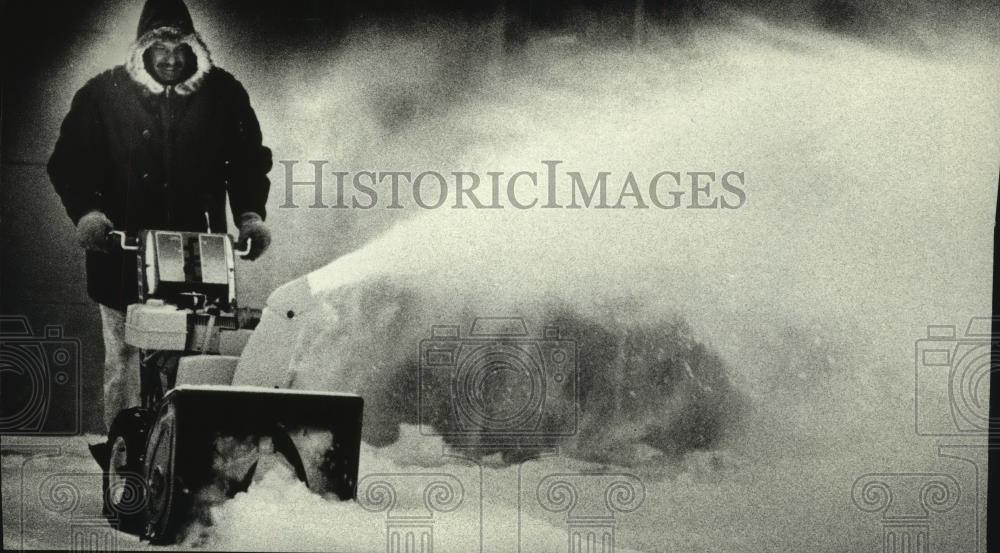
x,y
197,436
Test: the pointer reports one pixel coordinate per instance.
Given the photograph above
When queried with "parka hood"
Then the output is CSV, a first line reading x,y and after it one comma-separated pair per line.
x,y
167,20
157,14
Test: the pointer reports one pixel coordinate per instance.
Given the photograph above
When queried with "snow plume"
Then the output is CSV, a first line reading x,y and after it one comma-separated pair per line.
x,y
600,379
746,364
846,150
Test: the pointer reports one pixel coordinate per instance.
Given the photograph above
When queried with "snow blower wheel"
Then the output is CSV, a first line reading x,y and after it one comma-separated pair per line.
x,y
167,502
123,486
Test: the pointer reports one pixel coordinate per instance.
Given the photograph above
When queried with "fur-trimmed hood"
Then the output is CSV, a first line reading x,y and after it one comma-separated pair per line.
x,y
136,64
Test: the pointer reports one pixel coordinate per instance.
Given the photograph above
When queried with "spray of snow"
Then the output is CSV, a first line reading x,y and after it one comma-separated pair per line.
x,y
869,175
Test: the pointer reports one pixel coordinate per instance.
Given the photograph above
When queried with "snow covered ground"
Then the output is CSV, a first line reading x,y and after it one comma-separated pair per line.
x,y
801,498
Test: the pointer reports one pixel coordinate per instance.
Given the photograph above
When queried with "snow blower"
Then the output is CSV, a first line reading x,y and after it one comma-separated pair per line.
x,y
196,438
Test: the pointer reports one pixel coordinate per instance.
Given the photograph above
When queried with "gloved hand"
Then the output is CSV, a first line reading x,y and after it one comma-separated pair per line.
x,y
252,227
92,231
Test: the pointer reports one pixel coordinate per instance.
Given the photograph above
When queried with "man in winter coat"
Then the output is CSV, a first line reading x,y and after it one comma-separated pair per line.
x,y
156,143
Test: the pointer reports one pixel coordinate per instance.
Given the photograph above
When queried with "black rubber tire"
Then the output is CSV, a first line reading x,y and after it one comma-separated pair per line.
x,y
168,508
123,485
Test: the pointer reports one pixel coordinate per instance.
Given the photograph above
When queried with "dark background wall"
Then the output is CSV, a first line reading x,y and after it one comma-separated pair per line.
x,y
41,268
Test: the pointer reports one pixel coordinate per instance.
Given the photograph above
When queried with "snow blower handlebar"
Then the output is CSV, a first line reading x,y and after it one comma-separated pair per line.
x,y
123,243
246,249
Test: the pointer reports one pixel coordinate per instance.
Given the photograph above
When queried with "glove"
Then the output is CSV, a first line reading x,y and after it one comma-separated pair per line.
x,y
92,231
252,228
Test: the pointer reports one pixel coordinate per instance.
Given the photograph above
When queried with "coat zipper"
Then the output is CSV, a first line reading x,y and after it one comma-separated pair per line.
x,y
167,116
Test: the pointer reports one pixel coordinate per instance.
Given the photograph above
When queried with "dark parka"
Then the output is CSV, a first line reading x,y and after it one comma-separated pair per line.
x,y
158,157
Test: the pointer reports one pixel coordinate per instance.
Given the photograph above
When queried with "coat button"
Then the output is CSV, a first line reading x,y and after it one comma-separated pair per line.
x,y
146,133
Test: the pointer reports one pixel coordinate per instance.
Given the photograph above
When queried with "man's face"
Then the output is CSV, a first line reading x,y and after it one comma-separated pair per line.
x,y
169,60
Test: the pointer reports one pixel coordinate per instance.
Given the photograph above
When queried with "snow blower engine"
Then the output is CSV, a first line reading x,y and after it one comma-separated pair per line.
x,y
196,439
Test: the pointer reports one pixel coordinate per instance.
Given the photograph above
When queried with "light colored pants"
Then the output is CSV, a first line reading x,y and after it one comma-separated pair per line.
x,y
121,366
